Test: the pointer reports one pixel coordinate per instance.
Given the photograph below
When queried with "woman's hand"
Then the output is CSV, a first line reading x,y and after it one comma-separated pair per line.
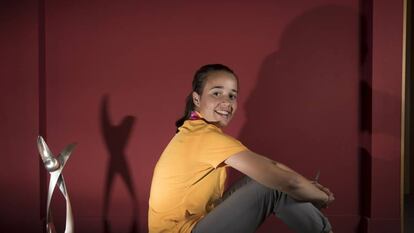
x,y
328,192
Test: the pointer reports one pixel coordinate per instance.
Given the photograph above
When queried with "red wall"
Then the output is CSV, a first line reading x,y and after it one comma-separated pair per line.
x,y
386,63
19,173
115,78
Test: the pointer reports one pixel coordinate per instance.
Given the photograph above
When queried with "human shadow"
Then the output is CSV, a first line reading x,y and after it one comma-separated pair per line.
x,y
116,139
303,111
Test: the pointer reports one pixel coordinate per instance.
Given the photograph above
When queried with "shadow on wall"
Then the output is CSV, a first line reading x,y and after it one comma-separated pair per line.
x,y
303,111
116,138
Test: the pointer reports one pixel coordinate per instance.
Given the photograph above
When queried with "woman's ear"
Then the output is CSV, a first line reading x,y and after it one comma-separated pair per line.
x,y
196,99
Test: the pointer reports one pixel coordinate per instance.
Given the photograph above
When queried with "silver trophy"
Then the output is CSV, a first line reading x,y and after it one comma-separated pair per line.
x,y
55,167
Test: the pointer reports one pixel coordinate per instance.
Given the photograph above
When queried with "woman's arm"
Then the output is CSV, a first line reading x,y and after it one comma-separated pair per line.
x,y
278,176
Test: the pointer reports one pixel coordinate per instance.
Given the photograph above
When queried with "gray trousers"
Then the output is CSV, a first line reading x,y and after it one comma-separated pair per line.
x,y
246,205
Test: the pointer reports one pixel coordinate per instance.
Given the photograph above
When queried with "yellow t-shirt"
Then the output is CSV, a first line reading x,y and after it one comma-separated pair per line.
x,y
189,177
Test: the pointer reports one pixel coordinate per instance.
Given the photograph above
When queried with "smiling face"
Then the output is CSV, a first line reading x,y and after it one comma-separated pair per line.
x,y
218,101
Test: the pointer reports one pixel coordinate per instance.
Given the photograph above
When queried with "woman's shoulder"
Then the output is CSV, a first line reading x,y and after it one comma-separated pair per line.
x,y
198,126
202,129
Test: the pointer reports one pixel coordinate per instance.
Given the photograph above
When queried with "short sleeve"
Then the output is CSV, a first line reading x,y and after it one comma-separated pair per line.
x,y
217,147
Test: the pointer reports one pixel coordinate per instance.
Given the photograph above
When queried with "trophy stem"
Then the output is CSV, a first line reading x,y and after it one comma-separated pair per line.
x,y
55,167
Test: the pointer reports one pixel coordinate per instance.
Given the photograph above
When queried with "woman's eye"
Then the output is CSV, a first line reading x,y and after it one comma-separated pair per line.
x,y
233,97
216,93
